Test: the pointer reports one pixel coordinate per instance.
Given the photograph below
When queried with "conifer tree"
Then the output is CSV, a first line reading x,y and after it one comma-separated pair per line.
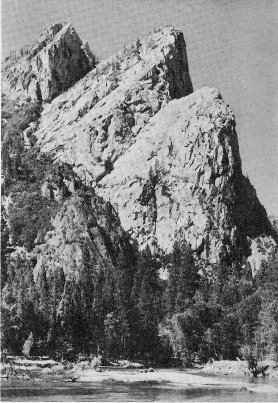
x,y
188,278
183,278
171,290
147,294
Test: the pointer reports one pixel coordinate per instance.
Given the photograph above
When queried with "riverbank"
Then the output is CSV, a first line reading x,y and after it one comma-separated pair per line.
x,y
128,372
239,368
130,384
217,375
161,376
163,384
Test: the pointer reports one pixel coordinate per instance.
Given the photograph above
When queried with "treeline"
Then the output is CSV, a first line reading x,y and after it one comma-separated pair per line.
x,y
231,315
130,311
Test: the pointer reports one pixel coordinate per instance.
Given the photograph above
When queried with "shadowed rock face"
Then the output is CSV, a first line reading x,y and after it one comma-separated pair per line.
x,y
56,61
78,228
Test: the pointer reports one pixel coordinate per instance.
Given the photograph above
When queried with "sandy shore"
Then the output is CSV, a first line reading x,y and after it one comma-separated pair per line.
x,y
182,379
219,374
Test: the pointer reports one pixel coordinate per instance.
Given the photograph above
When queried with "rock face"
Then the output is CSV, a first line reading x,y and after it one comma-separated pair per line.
x,y
261,249
170,167
51,66
166,158
78,229
182,179
95,121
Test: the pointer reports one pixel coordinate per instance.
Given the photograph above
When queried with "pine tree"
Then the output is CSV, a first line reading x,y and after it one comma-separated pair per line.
x,y
4,245
6,162
44,293
183,279
17,163
147,296
188,278
171,290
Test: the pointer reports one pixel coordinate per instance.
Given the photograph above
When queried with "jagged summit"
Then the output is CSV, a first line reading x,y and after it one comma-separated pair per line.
x,y
49,35
112,103
54,63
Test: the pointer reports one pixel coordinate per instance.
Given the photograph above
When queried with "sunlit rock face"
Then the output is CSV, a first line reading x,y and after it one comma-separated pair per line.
x,y
182,179
167,158
92,124
54,63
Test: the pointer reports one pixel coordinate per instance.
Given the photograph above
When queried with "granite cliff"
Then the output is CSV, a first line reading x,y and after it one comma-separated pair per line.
x,y
182,179
165,157
95,121
171,169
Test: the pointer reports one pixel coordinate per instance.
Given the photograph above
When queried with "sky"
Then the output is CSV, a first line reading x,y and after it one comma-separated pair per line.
x,y
232,45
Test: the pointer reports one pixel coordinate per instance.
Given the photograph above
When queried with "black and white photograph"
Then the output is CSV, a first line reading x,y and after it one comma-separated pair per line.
x,y
139,200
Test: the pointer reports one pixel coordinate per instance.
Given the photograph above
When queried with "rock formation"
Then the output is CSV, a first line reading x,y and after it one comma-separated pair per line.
x,y
77,227
182,179
95,121
56,61
166,158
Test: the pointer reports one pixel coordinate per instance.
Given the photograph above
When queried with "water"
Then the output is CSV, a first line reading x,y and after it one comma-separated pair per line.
x,y
15,390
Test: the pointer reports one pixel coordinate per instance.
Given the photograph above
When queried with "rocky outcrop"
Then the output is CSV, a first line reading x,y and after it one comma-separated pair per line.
x,y
182,179
262,248
56,61
97,120
86,229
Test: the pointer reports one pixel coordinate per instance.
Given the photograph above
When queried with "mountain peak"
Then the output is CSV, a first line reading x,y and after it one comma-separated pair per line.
x,y
120,95
53,64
